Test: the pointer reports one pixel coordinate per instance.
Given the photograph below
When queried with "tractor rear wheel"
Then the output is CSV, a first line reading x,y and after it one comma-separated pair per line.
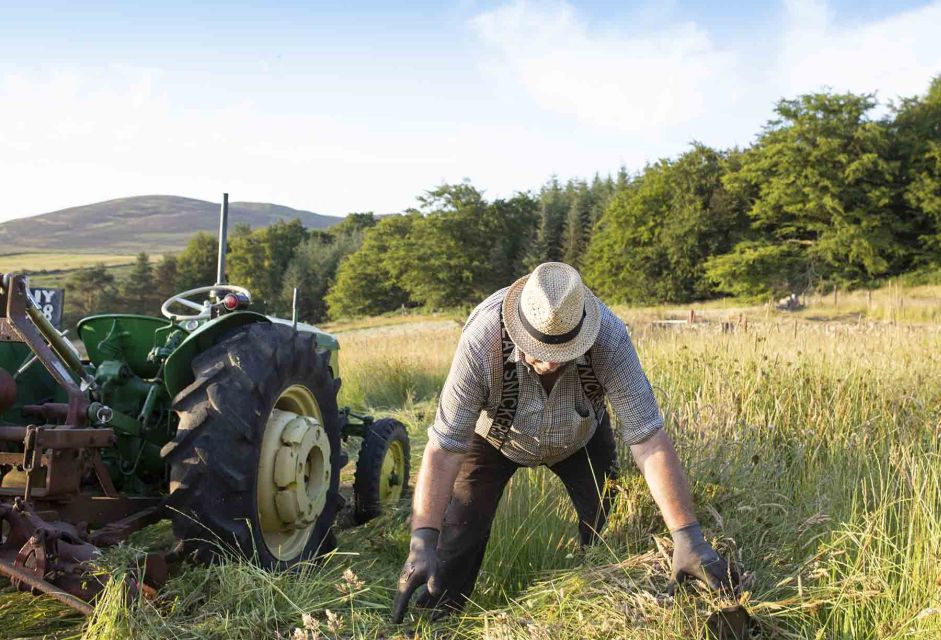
x,y
255,463
381,470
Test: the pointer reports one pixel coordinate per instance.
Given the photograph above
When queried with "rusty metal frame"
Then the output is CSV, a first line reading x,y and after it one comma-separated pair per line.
x,y
59,437
19,576
58,449
19,327
50,540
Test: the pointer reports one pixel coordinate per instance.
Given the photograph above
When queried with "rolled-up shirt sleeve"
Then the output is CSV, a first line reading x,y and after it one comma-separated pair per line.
x,y
626,386
462,397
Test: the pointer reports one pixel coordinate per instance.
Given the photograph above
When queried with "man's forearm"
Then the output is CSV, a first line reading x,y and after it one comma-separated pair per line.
x,y
657,460
434,486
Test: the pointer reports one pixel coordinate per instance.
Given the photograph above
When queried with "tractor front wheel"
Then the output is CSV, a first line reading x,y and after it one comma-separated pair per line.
x,y
381,470
255,463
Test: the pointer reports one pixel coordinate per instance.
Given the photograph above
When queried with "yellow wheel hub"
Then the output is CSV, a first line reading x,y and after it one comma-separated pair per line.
x,y
293,472
392,478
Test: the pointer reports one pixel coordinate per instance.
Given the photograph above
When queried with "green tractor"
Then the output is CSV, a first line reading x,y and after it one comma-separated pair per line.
x,y
219,418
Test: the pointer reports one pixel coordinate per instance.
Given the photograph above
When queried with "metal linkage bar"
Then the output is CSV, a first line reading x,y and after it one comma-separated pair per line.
x,y
16,574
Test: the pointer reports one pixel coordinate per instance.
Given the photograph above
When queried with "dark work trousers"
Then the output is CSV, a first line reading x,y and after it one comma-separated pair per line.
x,y
478,487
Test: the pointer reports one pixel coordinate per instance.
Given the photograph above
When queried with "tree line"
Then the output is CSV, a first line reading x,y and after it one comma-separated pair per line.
x,y
269,261
828,195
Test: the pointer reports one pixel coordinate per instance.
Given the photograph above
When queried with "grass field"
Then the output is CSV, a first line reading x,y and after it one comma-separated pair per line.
x,y
39,263
49,269
814,456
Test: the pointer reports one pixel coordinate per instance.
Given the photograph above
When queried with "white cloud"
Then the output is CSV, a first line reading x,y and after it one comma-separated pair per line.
x,y
629,82
71,136
895,56
650,84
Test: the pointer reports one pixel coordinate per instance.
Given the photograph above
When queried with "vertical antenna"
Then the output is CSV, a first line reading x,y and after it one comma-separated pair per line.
x,y
294,309
223,230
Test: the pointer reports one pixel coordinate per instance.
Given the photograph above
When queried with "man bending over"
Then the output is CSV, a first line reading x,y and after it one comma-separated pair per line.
x,y
527,386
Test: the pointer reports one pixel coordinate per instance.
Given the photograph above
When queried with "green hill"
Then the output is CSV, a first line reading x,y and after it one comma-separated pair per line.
x,y
141,223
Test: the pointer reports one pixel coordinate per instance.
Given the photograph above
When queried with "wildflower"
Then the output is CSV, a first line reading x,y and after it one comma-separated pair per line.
x,y
352,580
351,583
305,634
310,623
334,621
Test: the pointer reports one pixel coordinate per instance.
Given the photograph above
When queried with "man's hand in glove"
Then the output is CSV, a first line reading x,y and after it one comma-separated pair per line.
x,y
420,568
693,557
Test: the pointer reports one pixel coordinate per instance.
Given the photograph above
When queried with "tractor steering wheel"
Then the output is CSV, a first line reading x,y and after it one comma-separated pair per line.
x,y
204,308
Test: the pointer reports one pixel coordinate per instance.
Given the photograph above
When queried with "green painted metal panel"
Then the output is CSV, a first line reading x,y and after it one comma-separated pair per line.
x,y
133,336
178,370
34,385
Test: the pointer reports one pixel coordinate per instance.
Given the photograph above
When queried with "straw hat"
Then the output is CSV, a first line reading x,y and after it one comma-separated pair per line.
x,y
550,314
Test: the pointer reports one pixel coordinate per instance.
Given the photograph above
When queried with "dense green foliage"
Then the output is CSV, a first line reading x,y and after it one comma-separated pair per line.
x,y
90,290
313,268
458,247
826,196
821,186
196,266
137,290
364,285
653,239
258,260
916,132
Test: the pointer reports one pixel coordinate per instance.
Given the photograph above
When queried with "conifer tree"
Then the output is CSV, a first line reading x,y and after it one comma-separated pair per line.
x,y
552,212
165,277
137,290
578,223
89,291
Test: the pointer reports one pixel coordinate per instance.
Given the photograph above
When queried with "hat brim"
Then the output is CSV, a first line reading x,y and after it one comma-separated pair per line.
x,y
563,352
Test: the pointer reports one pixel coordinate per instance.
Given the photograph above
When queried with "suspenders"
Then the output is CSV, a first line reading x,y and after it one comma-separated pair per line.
x,y
510,391
591,386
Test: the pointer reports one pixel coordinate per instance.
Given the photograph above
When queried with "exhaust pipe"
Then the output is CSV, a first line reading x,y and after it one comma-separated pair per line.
x,y
223,232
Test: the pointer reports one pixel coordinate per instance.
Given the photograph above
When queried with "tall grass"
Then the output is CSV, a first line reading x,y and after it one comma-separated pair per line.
x,y
395,366
814,457
892,303
815,462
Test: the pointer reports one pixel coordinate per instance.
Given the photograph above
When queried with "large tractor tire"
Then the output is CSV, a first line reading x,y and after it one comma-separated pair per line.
x,y
255,462
381,470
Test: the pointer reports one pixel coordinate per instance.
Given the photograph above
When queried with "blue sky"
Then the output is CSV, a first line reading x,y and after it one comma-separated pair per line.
x,y
355,106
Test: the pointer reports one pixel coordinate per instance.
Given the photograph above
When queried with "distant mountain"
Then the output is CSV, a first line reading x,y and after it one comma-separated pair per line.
x,y
142,223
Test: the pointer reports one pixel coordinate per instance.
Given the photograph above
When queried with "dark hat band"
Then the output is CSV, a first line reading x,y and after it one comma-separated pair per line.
x,y
549,338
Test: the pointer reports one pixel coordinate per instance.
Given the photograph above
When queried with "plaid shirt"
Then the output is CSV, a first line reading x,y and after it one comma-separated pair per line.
x,y
548,427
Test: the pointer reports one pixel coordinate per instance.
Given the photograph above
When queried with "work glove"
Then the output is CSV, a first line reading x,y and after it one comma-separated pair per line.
x,y
420,568
693,557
